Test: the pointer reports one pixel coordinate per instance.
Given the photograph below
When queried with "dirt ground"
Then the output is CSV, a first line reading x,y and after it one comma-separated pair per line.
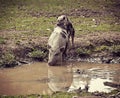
x,y
97,44
96,39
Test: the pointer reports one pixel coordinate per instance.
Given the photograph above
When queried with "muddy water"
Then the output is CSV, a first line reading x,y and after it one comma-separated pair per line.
x,y
39,78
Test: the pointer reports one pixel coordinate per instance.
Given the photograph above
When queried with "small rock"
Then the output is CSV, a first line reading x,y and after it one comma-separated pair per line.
x,y
75,97
112,84
78,71
97,94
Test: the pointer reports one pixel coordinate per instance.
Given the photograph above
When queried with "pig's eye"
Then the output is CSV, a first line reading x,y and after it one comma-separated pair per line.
x,y
56,54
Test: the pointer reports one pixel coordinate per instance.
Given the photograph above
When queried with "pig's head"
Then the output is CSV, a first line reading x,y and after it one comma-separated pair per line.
x,y
55,55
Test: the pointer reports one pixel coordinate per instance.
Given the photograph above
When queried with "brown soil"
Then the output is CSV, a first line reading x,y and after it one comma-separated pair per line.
x,y
27,42
96,39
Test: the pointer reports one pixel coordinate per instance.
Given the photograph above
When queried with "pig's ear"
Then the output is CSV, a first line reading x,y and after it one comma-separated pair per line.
x,y
62,49
48,46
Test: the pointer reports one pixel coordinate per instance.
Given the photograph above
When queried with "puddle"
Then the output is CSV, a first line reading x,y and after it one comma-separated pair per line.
x,y
94,76
39,78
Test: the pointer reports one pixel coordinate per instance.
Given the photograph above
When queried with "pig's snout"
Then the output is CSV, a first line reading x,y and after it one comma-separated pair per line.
x,y
50,63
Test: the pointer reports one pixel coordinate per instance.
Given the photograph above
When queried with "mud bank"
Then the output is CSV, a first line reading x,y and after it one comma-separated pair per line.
x,y
95,47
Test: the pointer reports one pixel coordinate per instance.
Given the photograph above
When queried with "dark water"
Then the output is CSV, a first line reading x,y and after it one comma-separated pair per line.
x,y
39,78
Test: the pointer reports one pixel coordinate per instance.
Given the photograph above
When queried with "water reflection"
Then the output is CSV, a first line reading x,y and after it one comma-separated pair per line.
x,y
81,75
94,78
39,78
59,78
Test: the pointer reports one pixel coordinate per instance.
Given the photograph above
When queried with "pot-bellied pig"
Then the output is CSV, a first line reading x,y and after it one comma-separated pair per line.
x,y
57,45
64,22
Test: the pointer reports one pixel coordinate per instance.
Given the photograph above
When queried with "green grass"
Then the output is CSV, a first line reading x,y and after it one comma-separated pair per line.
x,y
7,60
56,95
85,52
87,25
37,55
2,40
42,25
39,16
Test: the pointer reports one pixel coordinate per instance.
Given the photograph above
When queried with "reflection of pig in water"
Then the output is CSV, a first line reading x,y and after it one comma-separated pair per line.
x,y
60,78
57,45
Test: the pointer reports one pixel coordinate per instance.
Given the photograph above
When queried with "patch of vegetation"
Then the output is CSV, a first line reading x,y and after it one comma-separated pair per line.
x,y
114,91
55,95
22,96
82,52
88,25
8,60
84,94
115,50
38,26
2,40
18,42
37,55
102,48
60,95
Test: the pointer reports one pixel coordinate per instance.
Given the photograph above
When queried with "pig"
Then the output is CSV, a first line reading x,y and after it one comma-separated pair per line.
x,y
64,22
57,45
